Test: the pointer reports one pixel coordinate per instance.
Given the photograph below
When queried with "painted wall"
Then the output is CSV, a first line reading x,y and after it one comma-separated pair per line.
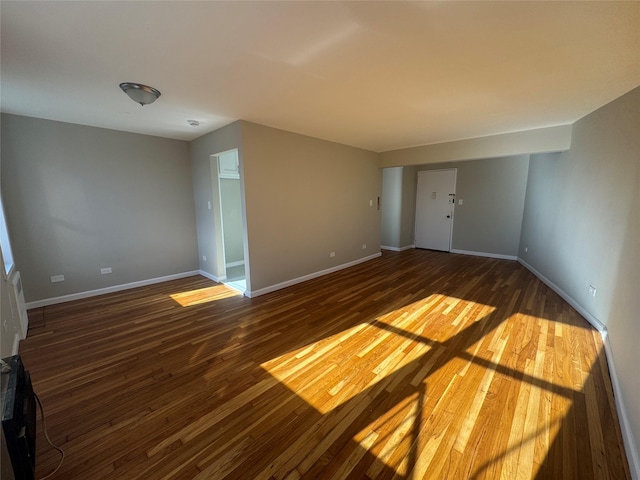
x,y
391,212
541,140
398,207
493,193
231,199
407,226
306,197
581,226
205,191
81,198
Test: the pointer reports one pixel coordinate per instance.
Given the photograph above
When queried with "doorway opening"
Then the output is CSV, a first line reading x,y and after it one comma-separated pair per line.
x,y
230,240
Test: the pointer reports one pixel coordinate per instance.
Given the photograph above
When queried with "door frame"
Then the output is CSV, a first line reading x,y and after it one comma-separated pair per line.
x,y
453,204
221,267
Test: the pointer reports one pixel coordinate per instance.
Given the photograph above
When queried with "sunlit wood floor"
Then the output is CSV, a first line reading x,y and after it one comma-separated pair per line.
x,y
415,365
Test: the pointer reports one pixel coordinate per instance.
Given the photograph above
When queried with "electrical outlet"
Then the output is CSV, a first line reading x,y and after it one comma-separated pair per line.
x,y
56,278
204,258
526,249
105,271
332,254
592,290
364,245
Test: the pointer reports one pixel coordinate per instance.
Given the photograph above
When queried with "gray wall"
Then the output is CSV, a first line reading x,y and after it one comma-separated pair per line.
x,y
205,189
581,225
493,194
407,225
541,140
231,198
306,197
80,198
398,206
391,217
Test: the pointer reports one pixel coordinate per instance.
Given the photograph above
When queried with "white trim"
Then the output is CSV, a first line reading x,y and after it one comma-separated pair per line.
x,y
625,426
234,286
590,318
212,277
18,307
288,283
235,264
16,344
453,205
101,291
627,437
484,254
397,249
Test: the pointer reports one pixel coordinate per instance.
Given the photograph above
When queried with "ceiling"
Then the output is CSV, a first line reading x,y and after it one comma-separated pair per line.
x,y
377,75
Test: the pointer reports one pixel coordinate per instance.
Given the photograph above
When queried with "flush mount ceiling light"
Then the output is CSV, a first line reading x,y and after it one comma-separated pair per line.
x,y
193,123
139,93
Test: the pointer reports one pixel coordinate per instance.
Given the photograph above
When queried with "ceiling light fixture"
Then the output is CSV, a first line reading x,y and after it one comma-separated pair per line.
x,y
193,123
139,93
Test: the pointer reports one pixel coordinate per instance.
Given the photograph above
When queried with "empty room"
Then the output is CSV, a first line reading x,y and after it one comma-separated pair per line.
x,y
333,240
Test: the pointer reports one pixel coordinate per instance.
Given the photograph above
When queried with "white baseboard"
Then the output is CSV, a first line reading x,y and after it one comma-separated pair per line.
x,y
483,254
235,264
397,249
627,437
625,426
590,318
115,288
212,277
288,283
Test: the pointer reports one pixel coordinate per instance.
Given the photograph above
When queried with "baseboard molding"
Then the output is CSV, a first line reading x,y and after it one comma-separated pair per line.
x,y
625,426
627,437
590,318
235,264
212,277
289,283
115,288
397,249
484,254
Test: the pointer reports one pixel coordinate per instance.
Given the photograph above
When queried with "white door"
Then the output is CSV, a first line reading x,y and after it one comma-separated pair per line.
x,y
435,200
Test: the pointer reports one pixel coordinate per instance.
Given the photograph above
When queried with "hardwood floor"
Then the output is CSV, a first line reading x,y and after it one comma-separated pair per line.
x,y
415,365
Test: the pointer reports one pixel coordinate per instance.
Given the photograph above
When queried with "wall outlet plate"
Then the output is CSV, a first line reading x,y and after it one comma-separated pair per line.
x,y
56,278
105,271
592,290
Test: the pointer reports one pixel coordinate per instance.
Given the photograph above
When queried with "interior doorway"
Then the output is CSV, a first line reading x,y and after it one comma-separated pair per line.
x,y
435,201
231,238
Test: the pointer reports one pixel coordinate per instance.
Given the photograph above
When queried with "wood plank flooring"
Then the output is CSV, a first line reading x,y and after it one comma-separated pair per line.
x,y
415,365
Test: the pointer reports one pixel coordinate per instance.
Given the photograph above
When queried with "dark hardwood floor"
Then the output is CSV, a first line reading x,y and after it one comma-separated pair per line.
x,y
415,365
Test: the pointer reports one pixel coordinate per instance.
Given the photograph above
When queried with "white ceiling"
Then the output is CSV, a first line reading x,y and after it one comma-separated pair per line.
x,y
378,75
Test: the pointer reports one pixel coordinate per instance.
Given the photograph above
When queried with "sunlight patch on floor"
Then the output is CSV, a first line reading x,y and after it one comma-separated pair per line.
x,y
395,435
204,295
531,441
354,346
546,344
